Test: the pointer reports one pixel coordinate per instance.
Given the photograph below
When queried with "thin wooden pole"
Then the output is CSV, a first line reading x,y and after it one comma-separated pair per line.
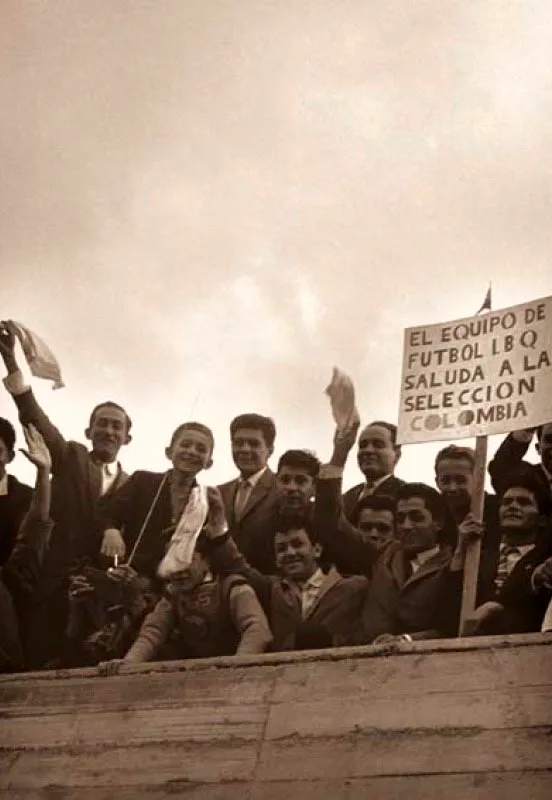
x,y
473,552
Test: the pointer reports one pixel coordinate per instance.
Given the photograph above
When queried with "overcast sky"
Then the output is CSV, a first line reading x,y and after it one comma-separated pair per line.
x,y
206,205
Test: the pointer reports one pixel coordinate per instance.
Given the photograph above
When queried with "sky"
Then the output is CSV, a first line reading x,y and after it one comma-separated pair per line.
x,y
205,206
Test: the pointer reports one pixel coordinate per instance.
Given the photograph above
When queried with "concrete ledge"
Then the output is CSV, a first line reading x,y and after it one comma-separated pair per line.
x,y
272,659
462,718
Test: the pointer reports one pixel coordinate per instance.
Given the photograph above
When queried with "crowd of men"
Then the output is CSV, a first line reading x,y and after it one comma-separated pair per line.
x,y
283,561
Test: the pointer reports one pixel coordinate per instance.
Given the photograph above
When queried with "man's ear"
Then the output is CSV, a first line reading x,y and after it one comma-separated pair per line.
x,y
270,451
11,456
209,464
168,452
87,433
398,451
128,439
317,550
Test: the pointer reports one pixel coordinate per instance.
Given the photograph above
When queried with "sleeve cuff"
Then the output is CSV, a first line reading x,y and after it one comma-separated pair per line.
x,y
330,471
15,383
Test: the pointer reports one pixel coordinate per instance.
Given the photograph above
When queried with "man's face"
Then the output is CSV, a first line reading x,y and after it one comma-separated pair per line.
x,y
108,433
518,510
377,525
192,576
296,488
544,447
377,455
190,452
416,528
5,457
250,451
295,555
455,481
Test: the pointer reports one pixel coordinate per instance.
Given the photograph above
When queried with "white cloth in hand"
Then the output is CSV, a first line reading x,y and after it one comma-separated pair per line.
x,y
42,362
342,399
183,541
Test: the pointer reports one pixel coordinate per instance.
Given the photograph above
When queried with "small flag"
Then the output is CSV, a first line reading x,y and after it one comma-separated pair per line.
x,y
486,302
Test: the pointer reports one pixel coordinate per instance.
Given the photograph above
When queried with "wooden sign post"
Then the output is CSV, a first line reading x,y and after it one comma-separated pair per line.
x,y
471,563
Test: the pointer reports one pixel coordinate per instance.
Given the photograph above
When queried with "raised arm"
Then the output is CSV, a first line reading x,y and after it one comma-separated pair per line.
x,y
30,412
346,545
509,456
22,570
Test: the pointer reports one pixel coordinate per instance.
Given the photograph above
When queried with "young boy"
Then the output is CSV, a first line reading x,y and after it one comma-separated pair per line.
x,y
19,576
200,616
150,505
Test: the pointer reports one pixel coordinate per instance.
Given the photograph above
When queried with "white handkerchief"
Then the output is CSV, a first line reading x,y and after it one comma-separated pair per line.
x,y
41,360
183,541
342,398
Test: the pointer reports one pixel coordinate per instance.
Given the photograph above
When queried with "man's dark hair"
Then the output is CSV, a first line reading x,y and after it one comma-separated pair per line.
x,y
375,502
110,404
256,422
388,426
455,453
193,426
300,459
523,479
436,505
7,434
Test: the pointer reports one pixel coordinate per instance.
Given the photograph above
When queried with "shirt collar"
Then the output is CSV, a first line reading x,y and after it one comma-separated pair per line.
x,y
4,485
375,484
252,480
423,558
521,548
315,581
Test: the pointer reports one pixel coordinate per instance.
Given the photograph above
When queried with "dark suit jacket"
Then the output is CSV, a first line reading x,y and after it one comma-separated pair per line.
x,y
76,487
13,507
523,609
393,604
508,459
127,510
337,608
254,531
389,487
18,580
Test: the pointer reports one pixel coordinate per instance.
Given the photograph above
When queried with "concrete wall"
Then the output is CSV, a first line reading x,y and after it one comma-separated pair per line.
x,y
462,719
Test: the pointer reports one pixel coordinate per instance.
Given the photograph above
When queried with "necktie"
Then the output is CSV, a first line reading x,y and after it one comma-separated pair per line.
x,y
242,496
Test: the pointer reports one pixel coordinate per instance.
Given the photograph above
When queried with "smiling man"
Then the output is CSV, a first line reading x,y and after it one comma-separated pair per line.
x,y
516,603
80,476
249,500
377,456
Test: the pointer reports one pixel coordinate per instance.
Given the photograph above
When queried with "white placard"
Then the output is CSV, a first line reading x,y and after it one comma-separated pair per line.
x,y
487,374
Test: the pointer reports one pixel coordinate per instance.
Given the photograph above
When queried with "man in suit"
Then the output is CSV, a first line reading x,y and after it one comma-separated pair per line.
x,y
249,499
79,478
409,575
378,454
508,458
15,497
307,606
517,599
